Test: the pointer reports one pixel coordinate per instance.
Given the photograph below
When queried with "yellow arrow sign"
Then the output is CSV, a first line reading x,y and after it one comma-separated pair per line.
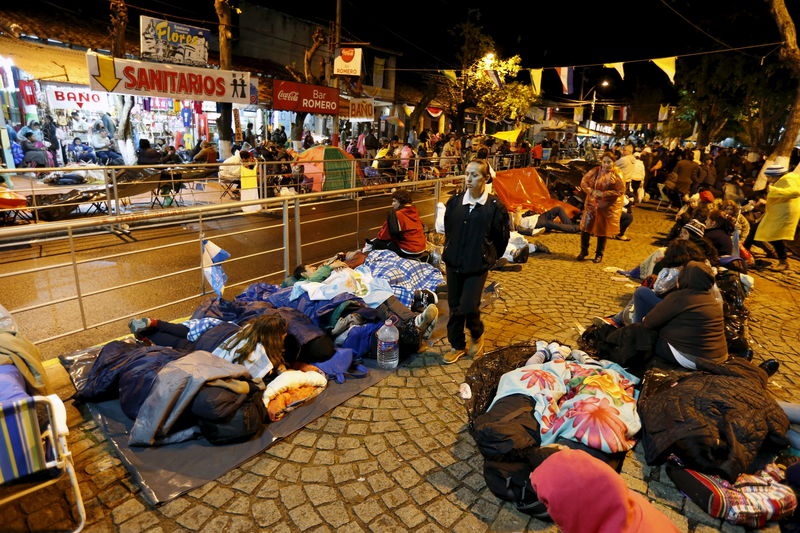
x,y
107,77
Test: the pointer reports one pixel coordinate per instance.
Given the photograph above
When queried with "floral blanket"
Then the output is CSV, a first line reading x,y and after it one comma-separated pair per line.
x,y
592,403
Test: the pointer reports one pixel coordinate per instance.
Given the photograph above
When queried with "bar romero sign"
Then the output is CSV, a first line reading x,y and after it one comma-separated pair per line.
x,y
291,96
141,78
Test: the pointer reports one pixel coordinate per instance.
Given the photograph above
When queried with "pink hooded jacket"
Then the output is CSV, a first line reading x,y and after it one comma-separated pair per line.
x,y
585,495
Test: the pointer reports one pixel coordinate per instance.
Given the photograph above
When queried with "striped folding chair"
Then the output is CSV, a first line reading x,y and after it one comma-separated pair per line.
x,y
25,449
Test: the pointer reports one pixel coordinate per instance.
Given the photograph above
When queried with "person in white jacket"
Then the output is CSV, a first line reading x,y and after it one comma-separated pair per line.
x,y
637,177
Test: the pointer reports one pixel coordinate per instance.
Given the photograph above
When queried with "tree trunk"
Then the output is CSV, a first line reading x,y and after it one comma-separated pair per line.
x,y
424,102
225,62
790,53
458,120
297,126
119,23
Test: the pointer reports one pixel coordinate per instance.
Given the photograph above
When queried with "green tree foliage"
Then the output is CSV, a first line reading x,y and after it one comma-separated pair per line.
x,y
473,88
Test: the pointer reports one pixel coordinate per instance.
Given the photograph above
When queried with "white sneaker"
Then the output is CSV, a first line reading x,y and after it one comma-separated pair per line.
x,y
537,231
426,321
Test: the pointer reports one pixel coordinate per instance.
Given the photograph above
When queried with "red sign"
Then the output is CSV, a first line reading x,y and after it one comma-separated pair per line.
x,y
291,96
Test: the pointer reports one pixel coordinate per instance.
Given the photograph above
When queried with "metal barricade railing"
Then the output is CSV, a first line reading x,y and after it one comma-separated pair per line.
x,y
88,282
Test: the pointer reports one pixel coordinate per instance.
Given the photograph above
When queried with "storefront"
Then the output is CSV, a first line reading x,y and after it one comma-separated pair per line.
x,y
320,105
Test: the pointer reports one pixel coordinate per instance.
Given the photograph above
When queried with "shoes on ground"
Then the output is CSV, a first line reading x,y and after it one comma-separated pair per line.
x,y
422,299
581,256
475,347
138,325
597,259
622,237
781,266
453,356
606,320
426,321
770,366
537,231
540,248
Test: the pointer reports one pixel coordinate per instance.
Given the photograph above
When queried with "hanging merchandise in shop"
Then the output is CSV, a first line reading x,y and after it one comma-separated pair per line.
x,y
291,96
126,76
347,62
163,40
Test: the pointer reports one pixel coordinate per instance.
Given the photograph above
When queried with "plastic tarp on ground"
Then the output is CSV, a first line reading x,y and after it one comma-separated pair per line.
x,y
166,472
328,167
523,187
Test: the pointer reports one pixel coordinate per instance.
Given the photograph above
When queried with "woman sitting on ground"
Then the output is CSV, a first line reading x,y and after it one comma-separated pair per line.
x,y
719,229
694,231
734,210
666,273
258,344
689,320
402,232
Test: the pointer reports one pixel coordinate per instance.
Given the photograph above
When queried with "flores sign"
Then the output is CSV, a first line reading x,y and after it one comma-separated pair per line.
x,y
142,78
163,40
347,62
76,97
291,96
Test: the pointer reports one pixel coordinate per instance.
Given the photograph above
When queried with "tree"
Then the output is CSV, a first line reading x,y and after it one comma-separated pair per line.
x,y
767,102
432,89
124,104
790,54
473,87
223,10
318,38
711,92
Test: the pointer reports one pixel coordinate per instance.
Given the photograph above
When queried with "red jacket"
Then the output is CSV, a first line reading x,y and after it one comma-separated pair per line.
x,y
405,228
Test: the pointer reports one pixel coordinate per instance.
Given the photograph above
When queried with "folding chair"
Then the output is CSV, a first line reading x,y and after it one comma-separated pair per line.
x,y
228,188
27,450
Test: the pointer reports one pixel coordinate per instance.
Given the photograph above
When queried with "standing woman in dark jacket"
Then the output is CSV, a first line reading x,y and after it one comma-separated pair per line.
x,y
476,233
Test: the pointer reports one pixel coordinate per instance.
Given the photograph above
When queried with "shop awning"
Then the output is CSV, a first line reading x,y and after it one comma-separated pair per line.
x,y
46,62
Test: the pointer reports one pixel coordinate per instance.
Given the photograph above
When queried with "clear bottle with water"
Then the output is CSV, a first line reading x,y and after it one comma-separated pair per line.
x,y
388,348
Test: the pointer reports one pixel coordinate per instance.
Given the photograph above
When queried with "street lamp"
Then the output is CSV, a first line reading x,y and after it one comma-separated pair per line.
x,y
603,83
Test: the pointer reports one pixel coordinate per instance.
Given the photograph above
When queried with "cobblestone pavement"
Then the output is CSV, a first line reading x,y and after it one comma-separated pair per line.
x,y
398,457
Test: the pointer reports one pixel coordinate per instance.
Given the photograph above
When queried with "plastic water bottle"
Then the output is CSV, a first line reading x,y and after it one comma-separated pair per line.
x,y
388,349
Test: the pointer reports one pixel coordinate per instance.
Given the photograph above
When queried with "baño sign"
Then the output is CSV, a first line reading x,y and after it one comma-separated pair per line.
x,y
76,97
143,78
162,40
291,96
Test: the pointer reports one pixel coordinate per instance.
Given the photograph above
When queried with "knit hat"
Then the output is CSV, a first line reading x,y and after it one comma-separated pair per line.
x,y
696,227
706,196
775,170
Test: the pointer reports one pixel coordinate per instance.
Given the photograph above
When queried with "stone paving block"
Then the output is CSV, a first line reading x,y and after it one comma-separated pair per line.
x,y
410,516
301,455
326,442
424,493
679,520
468,523
139,523
393,499
406,477
268,490
335,514
265,513
315,474
342,473
305,517
126,510
292,496
239,505
347,443
351,527
282,449
174,508
444,512
113,495
195,517
423,465
355,492
367,467
319,494
325,458
380,482
218,497
367,511
287,472
54,514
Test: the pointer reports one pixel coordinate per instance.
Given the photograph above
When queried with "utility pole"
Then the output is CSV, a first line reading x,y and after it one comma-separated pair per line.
x,y
225,62
336,43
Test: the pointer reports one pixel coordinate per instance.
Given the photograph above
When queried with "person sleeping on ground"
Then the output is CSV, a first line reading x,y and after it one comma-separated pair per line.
x,y
689,320
554,219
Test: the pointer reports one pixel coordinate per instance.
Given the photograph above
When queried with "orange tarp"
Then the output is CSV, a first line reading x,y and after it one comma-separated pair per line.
x,y
523,187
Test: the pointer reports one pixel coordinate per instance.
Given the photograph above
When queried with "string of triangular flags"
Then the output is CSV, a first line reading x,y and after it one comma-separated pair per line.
x,y
667,64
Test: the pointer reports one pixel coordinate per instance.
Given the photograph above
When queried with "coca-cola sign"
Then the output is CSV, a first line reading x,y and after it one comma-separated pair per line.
x,y
291,96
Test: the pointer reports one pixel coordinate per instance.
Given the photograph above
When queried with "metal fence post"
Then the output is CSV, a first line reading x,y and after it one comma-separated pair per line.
x,y
358,221
108,190
116,194
298,241
353,174
438,191
201,235
416,172
286,237
77,278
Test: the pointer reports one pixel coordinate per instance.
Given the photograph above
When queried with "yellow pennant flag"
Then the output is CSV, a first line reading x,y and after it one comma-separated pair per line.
x,y
450,75
577,114
408,109
619,68
667,64
609,112
536,80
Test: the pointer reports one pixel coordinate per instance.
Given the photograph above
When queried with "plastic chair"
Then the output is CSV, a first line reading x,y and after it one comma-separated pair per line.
x,y
27,450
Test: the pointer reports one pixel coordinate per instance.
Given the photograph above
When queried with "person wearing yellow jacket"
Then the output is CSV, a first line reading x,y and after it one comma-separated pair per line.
x,y
782,212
